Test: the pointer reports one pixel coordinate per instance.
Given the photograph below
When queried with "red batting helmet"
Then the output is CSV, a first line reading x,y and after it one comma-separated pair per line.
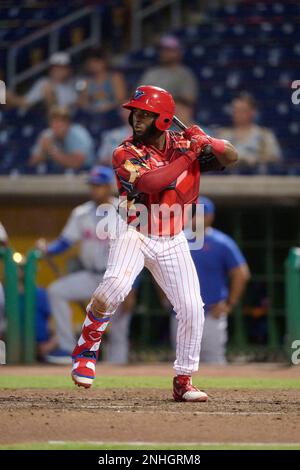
x,y
154,99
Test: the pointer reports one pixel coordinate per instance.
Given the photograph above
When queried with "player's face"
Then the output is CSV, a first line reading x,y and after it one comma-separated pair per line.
x,y
142,121
208,220
100,192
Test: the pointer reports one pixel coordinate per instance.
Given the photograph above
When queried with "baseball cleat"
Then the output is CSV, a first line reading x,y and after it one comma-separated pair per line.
x,y
84,367
183,390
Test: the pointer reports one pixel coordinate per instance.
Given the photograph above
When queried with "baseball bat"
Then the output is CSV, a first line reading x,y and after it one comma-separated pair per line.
x,y
207,149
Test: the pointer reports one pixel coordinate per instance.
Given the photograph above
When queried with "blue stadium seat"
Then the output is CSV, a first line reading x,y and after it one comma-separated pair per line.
x,y
252,46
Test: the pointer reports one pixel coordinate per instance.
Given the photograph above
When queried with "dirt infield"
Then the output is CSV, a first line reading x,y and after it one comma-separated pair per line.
x,y
150,415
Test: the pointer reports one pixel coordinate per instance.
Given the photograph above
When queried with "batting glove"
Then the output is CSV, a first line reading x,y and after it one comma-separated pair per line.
x,y
198,143
193,131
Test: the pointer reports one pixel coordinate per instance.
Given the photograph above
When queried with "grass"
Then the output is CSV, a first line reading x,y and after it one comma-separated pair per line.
x,y
142,446
31,382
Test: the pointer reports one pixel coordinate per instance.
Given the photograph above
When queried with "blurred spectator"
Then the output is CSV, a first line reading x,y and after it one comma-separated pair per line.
x,y
171,74
223,274
58,88
82,227
111,139
63,145
3,242
256,145
103,90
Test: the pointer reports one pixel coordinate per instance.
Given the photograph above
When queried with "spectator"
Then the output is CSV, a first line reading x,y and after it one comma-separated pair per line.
x,y
56,89
103,90
223,274
63,145
171,74
79,286
256,145
111,139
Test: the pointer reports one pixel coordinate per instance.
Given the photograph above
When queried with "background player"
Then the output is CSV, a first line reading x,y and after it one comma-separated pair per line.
x,y
78,286
154,166
223,274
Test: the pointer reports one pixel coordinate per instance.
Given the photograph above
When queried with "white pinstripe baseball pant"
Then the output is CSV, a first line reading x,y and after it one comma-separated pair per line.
x,y
170,262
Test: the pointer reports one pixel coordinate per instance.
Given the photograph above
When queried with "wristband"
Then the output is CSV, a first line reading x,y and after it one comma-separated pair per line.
x,y
218,145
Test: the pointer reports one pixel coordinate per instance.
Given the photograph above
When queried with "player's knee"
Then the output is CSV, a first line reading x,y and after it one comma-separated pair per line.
x,y
56,289
188,308
108,296
192,312
98,306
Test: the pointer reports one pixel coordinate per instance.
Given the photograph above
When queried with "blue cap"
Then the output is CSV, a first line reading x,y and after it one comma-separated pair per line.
x,y
101,175
209,207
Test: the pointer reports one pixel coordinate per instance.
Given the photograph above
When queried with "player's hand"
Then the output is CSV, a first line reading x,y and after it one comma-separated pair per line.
x,y
219,309
198,143
193,131
41,245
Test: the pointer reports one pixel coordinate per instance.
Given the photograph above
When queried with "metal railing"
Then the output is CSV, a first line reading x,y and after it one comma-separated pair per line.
x,y
12,310
140,14
292,283
53,32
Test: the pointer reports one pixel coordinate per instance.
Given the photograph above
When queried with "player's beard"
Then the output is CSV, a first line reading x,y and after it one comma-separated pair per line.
x,y
151,133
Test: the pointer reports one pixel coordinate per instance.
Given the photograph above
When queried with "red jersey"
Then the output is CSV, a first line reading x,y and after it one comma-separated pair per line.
x,y
132,160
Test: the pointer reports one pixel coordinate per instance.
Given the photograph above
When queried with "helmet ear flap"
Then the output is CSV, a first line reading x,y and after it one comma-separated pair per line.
x,y
163,122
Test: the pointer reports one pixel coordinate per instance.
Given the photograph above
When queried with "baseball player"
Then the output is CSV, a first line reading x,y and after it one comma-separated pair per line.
x,y
154,166
79,285
223,274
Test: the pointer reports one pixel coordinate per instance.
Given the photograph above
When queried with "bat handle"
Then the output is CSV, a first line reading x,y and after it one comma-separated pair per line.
x,y
179,123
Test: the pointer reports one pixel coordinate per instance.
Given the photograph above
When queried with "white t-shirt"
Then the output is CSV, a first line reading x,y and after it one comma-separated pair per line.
x,y
258,146
66,94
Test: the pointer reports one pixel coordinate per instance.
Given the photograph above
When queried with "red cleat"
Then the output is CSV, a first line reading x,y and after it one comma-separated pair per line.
x,y
84,367
183,390
85,353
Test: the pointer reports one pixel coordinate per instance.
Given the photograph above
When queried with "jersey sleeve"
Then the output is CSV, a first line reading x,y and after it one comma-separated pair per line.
x,y
129,168
72,230
232,255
